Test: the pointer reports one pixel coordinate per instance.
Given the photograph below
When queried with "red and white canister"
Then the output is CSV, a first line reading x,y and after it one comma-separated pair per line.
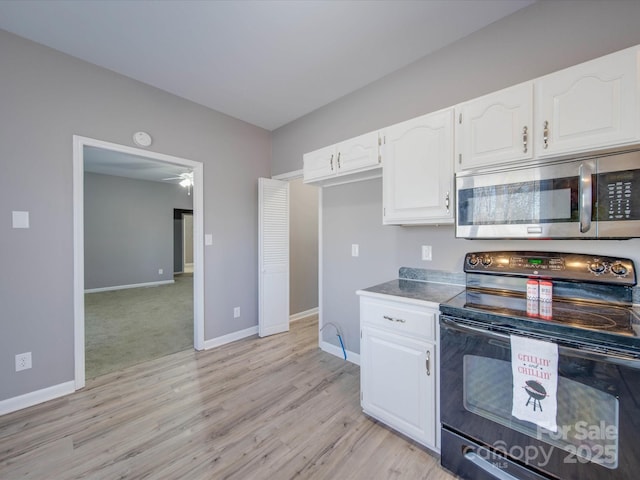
x,y
532,297
546,299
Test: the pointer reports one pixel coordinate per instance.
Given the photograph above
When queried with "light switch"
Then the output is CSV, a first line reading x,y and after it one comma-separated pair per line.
x,y
20,219
208,239
355,250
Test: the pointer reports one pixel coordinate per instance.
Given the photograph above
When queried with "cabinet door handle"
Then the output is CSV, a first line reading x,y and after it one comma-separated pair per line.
x,y
338,160
545,134
391,319
525,139
331,161
446,201
428,363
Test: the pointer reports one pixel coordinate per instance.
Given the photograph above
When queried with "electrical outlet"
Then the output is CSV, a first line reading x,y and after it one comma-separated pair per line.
x,y
160,271
426,252
236,312
23,361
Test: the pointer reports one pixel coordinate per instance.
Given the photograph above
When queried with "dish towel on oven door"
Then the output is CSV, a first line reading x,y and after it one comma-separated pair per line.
x,y
534,364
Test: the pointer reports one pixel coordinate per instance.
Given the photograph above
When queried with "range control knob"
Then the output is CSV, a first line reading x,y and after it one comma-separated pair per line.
x,y
596,266
473,260
486,260
618,269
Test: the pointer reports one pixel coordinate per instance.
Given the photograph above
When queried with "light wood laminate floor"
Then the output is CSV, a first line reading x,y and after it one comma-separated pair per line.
x,y
272,408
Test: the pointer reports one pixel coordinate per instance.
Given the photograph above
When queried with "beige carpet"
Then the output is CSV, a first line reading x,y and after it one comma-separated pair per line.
x,y
127,327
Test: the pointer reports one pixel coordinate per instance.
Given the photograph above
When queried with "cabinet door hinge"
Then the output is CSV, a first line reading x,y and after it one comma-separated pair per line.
x,y
379,140
459,158
460,118
379,158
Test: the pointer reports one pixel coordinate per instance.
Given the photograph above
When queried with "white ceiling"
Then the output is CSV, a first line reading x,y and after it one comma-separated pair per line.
x,y
266,62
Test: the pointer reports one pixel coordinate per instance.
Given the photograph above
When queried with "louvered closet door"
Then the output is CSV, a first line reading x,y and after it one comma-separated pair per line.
x,y
273,309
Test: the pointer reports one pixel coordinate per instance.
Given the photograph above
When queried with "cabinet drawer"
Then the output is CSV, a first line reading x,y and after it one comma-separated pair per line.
x,y
399,318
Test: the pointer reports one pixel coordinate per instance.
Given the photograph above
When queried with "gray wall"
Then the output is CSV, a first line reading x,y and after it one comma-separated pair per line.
x,y
540,39
47,97
128,229
303,247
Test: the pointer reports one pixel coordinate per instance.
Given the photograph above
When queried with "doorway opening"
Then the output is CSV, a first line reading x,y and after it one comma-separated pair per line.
x,y
80,146
182,241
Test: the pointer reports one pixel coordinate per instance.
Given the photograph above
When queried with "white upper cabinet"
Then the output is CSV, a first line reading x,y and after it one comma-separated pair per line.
x,y
319,164
417,176
359,153
341,162
591,106
495,128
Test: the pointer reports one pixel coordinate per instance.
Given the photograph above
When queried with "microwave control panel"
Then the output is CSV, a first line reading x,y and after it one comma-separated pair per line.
x,y
619,195
552,265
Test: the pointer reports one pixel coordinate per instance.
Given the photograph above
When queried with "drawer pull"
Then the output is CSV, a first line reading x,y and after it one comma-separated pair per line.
x,y
391,319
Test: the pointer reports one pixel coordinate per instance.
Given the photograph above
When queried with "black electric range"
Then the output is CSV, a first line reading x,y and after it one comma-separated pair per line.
x,y
592,323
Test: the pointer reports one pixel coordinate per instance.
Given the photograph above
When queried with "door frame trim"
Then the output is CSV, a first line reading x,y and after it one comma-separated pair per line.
x,y
79,142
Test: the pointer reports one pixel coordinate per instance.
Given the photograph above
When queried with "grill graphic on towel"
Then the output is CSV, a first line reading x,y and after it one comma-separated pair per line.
x,y
536,393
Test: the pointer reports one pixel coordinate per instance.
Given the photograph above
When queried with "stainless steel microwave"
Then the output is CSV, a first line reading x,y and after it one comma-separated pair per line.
x,y
595,197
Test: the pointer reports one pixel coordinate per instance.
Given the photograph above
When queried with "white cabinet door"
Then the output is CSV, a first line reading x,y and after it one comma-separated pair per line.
x,y
319,164
359,153
396,386
418,170
590,106
495,128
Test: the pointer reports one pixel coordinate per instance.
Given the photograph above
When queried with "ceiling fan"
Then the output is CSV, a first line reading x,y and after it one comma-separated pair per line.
x,y
186,180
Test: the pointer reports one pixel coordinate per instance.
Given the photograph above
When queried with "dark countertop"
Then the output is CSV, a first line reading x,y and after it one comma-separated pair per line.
x,y
415,290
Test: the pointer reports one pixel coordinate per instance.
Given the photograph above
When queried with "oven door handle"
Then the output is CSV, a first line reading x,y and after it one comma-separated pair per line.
x,y
589,352
481,462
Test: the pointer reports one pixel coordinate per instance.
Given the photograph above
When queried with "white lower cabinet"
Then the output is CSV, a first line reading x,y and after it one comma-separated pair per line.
x,y
398,367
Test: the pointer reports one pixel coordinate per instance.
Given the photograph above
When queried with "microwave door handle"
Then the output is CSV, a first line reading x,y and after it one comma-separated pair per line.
x,y
585,198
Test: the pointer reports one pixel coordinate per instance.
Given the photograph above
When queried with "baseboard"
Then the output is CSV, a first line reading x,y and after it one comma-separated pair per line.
x,y
231,337
133,285
305,314
337,351
34,398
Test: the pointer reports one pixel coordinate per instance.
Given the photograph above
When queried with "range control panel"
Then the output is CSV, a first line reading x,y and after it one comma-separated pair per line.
x,y
562,266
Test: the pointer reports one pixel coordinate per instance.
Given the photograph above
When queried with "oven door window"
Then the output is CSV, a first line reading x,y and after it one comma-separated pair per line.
x,y
536,201
587,417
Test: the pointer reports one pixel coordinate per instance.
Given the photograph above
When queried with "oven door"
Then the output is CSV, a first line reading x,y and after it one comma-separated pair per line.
x,y
553,201
598,411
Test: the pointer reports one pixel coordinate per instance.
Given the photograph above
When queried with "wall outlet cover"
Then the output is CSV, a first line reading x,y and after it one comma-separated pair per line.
x,y
23,361
20,219
426,253
236,312
355,250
